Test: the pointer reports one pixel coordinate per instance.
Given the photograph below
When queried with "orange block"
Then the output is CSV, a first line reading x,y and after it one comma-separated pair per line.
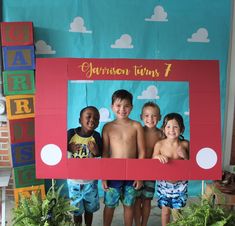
x,y
20,106
27,191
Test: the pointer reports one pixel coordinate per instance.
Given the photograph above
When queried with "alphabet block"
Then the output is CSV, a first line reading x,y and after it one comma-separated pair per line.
x,y
18,82
23,154
25,176
22,130
18,58
17,33
27,191
20,106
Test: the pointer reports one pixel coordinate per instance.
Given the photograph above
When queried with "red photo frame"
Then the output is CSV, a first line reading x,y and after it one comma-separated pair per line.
x,y
52,76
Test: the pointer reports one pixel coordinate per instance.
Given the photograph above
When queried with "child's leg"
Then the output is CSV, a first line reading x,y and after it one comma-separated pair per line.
x,y
146,208
138,211
166,213
128,215
77,220
108,216
88,218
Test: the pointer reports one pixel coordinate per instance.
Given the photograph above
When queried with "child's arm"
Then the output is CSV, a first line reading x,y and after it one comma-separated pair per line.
x,y
106,143
140,141
105,152
183,150
157,153
95,147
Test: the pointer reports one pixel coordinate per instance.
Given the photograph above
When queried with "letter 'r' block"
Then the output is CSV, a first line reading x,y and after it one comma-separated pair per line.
x,y
18,82
18,58
17,33
20,106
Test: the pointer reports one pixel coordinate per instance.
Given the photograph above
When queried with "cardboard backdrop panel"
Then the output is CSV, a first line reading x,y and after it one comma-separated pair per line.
x,y
52,76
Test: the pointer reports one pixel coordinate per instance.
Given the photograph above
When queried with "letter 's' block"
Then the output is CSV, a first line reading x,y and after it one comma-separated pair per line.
x,y
18,58
25,176
17,33
22,130
26,192
18,82
20,106
23,154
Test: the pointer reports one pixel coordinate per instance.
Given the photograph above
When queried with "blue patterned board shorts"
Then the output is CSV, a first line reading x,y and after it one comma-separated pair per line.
x,y
84,196
147,191
119,190
173,195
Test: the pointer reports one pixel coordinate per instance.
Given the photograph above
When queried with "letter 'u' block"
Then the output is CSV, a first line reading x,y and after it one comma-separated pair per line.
x,y
18,82
22,130
25,176
17,33
27,191
20,106
18,58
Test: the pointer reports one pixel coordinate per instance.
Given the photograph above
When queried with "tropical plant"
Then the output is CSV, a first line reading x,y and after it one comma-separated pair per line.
x,y
54,210
204,213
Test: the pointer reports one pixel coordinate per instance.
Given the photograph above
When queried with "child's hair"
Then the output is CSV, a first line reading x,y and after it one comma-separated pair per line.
x,y
122,94
151,104
178,118
89,107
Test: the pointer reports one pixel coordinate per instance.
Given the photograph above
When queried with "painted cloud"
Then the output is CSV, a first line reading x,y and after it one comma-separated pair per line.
x,y
43,48
150,93
78,26
200,36
124,42
159,15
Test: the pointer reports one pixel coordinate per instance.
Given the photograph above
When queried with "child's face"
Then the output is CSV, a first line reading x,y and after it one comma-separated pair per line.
x,y
121,108
172,129
150,116
89,120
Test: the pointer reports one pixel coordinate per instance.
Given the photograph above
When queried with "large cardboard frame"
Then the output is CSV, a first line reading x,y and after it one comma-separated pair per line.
x,y
52,76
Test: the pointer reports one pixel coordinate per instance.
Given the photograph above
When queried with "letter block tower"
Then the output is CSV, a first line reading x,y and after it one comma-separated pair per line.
x,y
19,89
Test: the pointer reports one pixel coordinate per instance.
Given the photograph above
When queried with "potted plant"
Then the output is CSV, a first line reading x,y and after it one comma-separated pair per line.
x,y
54,210
204,213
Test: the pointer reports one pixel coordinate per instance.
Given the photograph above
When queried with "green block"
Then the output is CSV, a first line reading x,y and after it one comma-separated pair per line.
x,y
25,176
18,82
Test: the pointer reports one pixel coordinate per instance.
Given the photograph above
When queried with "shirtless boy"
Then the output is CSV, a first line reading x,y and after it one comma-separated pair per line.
x,y
122,138
150,116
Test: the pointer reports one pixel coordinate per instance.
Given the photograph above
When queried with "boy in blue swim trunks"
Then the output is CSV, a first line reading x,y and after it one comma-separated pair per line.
x,y
150,116
171,194
122,138
84,142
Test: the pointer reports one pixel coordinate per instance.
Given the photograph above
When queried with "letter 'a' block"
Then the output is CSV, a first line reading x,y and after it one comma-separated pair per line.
x,y
18,82
27,191
20,106
17,33
18,58
26,176
23,154
22,130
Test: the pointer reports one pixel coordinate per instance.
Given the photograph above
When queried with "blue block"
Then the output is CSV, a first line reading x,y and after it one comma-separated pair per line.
x,y
18,58
23,154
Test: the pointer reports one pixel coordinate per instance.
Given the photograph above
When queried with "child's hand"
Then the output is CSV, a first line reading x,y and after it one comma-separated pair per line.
x,y
105,185
93,147
74,147
161,158
138,184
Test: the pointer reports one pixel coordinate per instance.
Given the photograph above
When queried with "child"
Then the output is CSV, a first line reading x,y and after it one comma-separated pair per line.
x,y
122,138
172,194
150,116
84,142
